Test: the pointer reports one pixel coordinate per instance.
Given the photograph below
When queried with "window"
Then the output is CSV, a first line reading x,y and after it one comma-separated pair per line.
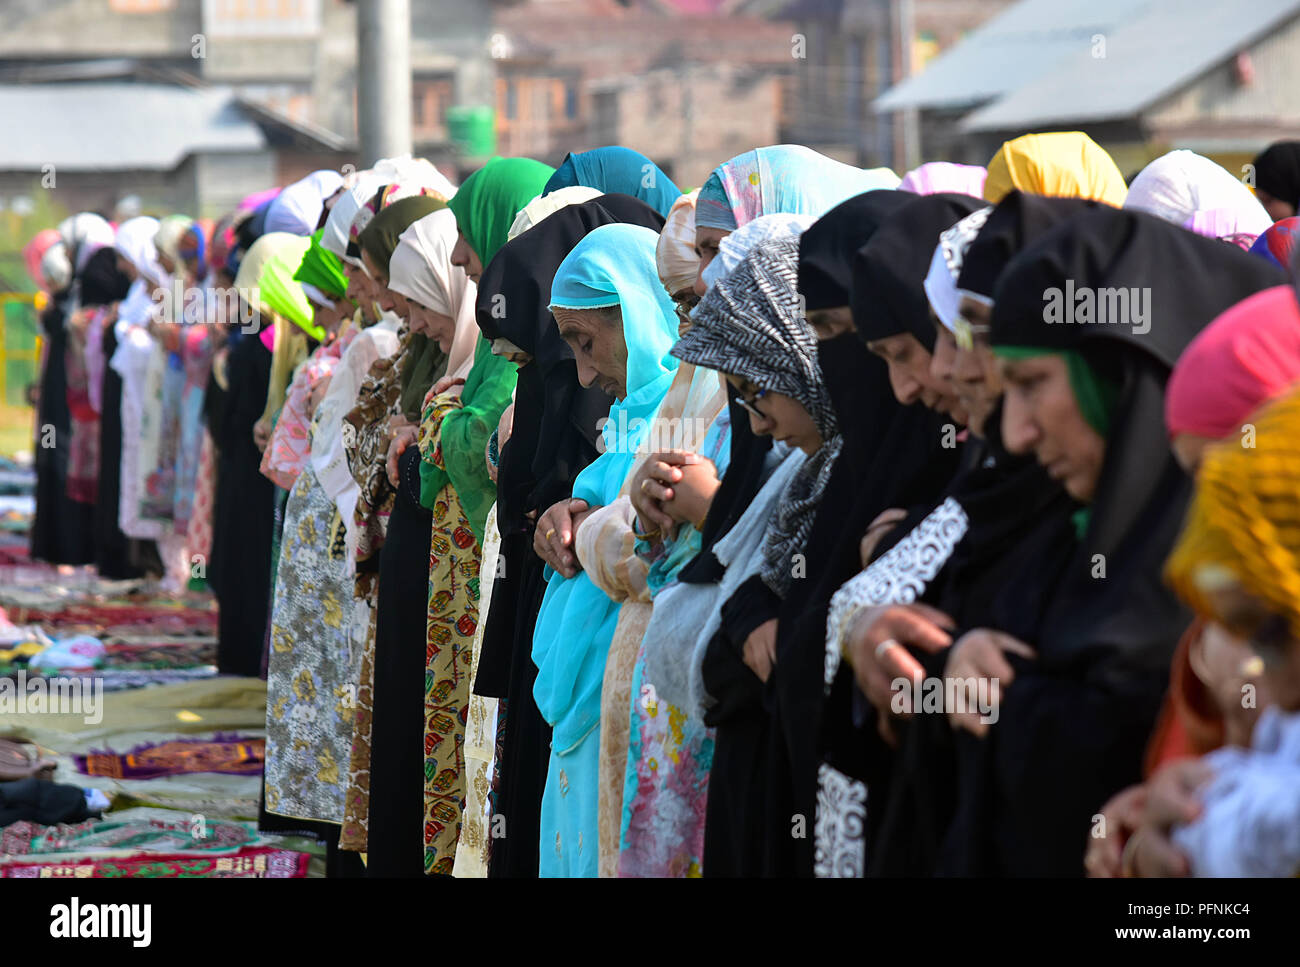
x,y
571,101
512,101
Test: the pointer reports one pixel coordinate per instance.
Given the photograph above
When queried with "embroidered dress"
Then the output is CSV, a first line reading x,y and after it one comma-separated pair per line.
x,y
475,846
452,621
313,665
899,576
670,751
196,352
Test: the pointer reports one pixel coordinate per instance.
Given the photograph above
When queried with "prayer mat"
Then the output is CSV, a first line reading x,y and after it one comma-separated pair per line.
x,y
226,753
251,863
196,833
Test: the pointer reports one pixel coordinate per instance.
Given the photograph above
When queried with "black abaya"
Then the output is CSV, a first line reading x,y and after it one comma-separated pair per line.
x,y
63,530
396,838
243,516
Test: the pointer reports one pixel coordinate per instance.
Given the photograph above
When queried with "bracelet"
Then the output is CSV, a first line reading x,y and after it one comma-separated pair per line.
x,y
643,536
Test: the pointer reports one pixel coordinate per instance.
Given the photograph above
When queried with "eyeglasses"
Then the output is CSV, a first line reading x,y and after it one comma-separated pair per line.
x,y
749,404
684,307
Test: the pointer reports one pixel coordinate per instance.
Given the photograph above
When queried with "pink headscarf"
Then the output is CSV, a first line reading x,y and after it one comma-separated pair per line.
x,y
1244,358
934,177
35,250
255,201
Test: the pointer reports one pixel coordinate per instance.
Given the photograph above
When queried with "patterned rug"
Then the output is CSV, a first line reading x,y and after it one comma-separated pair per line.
x,y
228,754
250,863
188,834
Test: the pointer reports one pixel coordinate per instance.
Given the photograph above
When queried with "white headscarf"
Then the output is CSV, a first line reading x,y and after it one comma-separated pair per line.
x,y
421,269
85,234
56,268
134,241
544,205
734,247
1177,185
297,209
412,174
945,267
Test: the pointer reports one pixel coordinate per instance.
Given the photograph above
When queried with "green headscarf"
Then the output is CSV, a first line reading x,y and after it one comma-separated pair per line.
x,y
281,294
464,436
323,269
487,203
1095,395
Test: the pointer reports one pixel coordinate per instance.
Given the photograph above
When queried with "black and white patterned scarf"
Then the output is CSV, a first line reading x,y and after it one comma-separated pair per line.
x,y
751,325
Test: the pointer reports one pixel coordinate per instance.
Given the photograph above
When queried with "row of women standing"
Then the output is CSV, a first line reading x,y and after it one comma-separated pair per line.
x,y
589,528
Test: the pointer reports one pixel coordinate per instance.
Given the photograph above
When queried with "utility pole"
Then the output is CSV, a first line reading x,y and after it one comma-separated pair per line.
x,y
383,78
910,141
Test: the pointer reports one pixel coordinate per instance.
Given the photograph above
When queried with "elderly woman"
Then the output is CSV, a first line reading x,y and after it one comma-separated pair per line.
x,y
1076,705
554,437
618,321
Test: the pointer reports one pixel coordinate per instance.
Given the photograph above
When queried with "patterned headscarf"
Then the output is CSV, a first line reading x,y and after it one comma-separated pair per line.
x,y
781,178
1278,242
751,325
1243,529
1067,164
734,247
945,269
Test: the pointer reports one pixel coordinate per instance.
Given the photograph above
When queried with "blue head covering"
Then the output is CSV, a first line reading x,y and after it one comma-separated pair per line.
x,y
781,179
616,170
612,265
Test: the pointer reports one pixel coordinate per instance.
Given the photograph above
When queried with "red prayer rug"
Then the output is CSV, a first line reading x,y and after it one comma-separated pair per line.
x,y
229,754
252,863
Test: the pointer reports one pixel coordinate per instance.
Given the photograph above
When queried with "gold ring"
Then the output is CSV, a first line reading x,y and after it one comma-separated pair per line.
x,y
550,533
643,484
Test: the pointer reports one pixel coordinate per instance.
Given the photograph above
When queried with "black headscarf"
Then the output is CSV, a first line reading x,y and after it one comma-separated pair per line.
x,y
827,248
1018,219
102,282
1277,171
1074,722
888,298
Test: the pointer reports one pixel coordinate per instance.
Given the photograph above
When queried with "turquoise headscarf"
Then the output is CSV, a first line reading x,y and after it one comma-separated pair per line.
x,y
615,264
785,179
618,170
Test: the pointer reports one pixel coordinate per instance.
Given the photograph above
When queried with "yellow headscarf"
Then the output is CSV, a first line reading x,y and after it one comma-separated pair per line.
x,y
1067,164
1243,529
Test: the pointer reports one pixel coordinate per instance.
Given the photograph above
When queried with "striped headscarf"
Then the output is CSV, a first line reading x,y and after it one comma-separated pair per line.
x,y
751,325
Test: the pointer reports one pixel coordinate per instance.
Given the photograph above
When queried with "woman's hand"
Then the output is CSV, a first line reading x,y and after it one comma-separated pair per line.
x,y
980,654
444,384
876,663
885,521
553,538
760,649
653,487
261,434
1172,799
316,394
505,426
404,436
1121,816
694,492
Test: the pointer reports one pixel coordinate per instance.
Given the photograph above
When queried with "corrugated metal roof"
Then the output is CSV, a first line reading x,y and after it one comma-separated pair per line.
x,y
1020,44
116,127
1034,62
1145,60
